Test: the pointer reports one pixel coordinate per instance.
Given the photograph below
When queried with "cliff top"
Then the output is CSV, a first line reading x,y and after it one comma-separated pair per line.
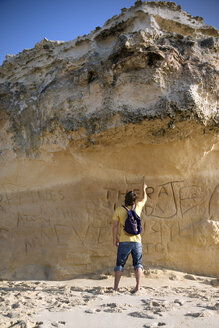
x,y
152,16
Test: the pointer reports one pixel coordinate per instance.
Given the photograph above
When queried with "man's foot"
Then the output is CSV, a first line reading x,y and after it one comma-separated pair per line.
x,y
116,292
136,291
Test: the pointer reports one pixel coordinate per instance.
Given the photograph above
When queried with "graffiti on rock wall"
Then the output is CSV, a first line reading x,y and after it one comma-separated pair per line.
x,y
45,218
162,201
190,197
165,201
170,212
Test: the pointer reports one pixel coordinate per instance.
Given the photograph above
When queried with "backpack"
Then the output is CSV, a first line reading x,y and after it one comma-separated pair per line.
x,y
133,222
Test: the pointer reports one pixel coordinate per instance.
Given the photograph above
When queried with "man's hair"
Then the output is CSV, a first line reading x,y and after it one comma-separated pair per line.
x,y
130,198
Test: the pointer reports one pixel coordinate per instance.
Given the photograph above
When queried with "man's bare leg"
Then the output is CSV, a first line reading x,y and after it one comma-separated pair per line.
x,y
138,275
118,275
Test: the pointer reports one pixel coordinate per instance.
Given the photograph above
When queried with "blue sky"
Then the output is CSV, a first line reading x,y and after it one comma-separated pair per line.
x,y
25,22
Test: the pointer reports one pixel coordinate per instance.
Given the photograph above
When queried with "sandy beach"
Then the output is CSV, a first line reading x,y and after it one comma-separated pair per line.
x,y
167,298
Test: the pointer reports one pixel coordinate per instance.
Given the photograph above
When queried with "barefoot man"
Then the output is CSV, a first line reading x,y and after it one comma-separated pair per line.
x,y
128,243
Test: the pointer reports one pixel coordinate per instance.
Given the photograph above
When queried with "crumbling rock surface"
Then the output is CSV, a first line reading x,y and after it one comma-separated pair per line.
x,y
84,121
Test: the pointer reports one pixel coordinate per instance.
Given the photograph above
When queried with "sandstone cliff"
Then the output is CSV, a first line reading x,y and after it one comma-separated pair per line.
x,y
84,121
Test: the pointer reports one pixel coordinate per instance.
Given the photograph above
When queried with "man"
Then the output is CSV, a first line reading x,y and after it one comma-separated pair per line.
x,y
127,243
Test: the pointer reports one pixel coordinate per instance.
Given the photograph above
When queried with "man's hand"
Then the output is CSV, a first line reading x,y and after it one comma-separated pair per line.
x,y
144,187
115,233
116,242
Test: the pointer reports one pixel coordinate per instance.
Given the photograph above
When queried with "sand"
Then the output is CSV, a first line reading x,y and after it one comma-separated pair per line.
x,y
167,298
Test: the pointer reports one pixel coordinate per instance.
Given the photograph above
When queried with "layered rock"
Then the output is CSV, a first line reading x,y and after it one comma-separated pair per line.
x,y
84,121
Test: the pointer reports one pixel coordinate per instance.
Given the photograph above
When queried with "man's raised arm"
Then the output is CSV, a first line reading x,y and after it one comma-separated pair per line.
x,y
145,197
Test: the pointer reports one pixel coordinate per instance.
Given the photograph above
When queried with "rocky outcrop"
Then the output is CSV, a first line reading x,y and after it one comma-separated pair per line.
x,y
84,121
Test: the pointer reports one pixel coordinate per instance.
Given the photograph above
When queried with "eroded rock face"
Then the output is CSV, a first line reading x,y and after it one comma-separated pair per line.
x,y
84,121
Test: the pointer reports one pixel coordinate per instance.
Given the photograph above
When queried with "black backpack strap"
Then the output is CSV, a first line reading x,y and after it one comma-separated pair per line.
x,y
125,208
132,208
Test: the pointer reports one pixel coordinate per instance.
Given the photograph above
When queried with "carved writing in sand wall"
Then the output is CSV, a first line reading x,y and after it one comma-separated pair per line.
x,y
50,218
171,210
165,201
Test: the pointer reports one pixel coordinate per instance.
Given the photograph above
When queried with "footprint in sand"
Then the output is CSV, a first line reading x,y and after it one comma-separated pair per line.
x,y
189,277
142,314
110,308
92,311
155,324
215,282
199,314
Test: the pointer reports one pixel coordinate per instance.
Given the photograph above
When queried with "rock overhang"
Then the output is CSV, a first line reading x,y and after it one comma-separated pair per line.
x,y
146,85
